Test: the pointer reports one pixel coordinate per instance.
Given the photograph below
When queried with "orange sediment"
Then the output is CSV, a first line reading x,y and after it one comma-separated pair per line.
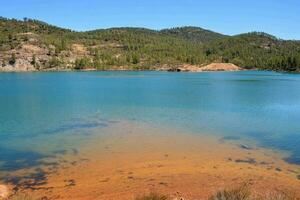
x,y
128,159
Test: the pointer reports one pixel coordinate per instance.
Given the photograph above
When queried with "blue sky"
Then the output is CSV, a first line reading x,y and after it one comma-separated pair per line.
x,y
277,17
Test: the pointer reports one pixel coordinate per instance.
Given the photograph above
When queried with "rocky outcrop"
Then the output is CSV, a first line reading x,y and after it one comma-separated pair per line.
x,y
221,67
20,65
195,68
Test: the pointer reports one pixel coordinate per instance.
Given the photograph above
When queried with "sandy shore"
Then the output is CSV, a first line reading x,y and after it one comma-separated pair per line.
x,y
213,67
130,159
4,191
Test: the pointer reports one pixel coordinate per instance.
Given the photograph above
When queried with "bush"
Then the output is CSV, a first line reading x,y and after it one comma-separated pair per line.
x,y
82,63
54,62
12,60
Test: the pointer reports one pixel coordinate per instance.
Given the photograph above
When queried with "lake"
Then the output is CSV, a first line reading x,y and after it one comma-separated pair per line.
x,y
47,115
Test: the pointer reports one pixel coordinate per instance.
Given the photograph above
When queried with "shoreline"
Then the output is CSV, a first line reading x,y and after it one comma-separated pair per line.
x,y
213,67
130,158
141,70
120,70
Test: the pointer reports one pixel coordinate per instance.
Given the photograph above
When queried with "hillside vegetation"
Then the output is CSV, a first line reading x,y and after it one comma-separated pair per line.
x,y
34,45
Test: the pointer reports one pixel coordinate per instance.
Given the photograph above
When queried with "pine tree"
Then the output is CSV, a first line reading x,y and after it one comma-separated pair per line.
x,y
12,60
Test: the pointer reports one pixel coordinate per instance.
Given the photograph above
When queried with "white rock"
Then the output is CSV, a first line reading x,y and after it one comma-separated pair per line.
x,y
3,192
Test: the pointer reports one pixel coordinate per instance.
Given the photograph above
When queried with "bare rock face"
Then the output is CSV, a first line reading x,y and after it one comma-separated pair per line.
x,y
24,65
79,49
207,68
4,192
32,50
21,65
221,67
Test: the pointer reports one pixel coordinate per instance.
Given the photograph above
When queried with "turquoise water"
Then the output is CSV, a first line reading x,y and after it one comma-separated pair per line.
x,y
44,114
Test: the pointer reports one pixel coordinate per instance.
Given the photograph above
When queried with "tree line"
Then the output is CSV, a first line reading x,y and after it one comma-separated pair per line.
x,y
145,49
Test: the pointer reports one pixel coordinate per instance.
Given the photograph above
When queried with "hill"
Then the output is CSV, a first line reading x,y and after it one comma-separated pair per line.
x,y
34,45
194,34
257,50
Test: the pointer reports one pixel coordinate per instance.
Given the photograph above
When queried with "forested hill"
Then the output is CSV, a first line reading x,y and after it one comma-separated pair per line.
x,y
194,34
37,46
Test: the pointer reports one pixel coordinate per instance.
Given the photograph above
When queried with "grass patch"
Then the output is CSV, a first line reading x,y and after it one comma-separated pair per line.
x,y
153,196
244,193
241,193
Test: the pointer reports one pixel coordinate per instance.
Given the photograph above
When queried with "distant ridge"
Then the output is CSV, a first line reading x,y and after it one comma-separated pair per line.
x,y
35,45
195,34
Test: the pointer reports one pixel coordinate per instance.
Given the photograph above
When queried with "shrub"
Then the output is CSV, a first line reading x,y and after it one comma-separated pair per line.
x,y
82,63
54,62
12,60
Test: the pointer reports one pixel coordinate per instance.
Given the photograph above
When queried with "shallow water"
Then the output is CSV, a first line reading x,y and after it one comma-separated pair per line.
x,y
43,115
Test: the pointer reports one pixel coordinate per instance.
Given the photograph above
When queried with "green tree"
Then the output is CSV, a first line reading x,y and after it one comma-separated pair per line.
x,y
54,62
135,59
82,63
33,61
12,60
